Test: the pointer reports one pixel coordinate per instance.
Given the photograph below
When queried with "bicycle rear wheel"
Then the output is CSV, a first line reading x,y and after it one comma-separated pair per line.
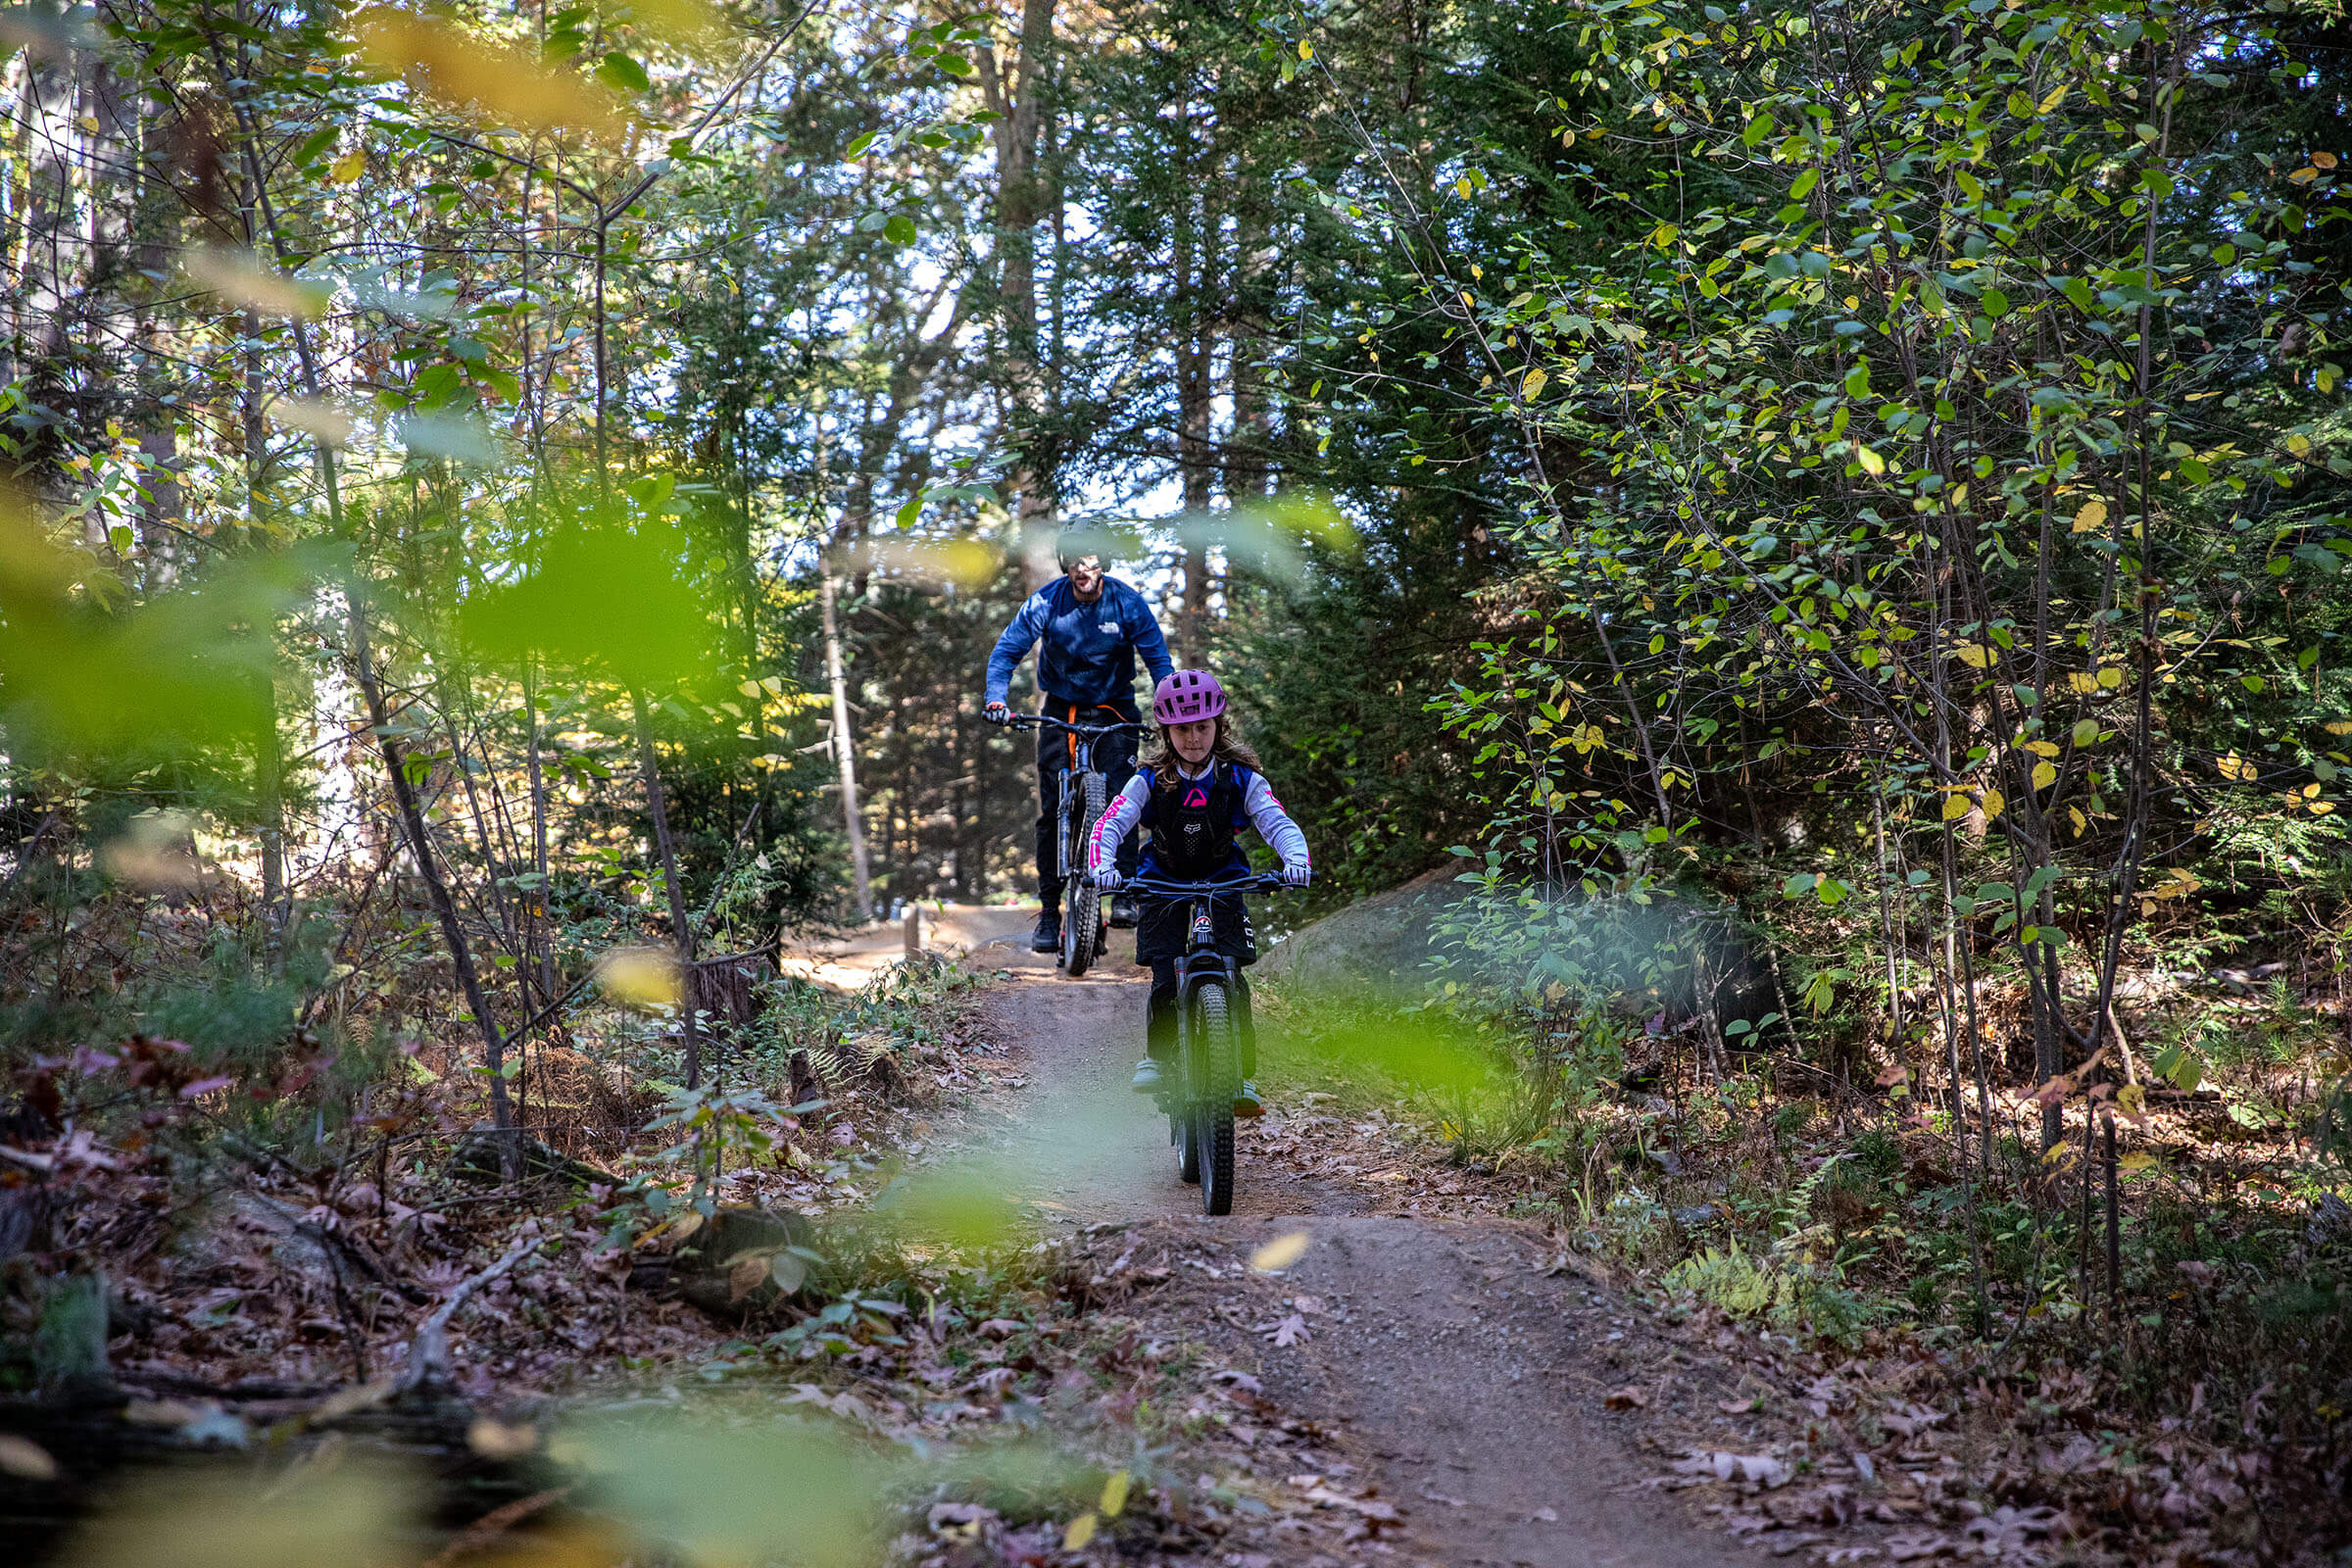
x,y
1213,1061
1082,918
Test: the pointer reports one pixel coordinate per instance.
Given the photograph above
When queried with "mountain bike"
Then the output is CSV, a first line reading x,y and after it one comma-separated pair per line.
x,y
1085,793
1199,1095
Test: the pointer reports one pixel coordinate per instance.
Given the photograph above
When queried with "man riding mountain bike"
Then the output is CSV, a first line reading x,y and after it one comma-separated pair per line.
x,y
1092,626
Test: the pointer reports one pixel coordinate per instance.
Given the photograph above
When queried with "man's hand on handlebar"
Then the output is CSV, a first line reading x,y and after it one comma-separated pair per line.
x,y
997,713
1107,879
1295,876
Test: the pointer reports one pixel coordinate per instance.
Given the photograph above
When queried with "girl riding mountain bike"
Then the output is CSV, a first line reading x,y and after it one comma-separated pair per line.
x,y
1193,797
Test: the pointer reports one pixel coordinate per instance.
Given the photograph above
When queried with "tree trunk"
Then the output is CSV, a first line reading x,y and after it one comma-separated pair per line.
x,y
1018,98
682,928
845,755
403,795
1195,349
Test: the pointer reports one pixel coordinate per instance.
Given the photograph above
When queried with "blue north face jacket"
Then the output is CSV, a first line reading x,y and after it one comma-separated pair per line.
x,y
1089,650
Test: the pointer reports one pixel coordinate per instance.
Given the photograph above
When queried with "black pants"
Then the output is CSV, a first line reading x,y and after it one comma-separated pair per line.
x,y
1114,756
1159,1017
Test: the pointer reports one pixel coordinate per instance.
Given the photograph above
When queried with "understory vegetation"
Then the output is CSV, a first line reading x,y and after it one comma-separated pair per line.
x,y
1810,539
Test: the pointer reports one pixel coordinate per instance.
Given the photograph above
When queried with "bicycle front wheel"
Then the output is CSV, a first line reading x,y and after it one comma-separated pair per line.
x,y
1211,1090
1082,916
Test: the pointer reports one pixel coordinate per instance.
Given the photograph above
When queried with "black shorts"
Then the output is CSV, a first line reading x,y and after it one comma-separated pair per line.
x,y
1160,928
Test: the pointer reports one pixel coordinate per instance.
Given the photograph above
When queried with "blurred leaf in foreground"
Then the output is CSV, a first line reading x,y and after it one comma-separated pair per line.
x,y
246,281
504,85
1270,538
968,1204
725,1495
354,1516
608,598
640,977
190,666
936,562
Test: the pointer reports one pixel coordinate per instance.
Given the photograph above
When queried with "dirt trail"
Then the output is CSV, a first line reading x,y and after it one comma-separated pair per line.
x,y
1471,1382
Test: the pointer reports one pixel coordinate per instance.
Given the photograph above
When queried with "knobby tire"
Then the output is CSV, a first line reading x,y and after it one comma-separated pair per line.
x,y
1212,1091
1082,924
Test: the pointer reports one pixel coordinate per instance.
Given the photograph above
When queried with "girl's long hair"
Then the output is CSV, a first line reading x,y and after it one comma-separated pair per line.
x,y
1230,747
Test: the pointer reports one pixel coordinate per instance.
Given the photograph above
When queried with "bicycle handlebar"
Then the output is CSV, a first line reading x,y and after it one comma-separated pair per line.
x,y
1254,882
1035,720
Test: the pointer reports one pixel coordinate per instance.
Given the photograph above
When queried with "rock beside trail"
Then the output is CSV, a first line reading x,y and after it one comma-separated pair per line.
x,y
740,1261
1380,941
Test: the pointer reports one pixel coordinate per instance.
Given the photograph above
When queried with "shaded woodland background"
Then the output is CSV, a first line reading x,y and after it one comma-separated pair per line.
x,y
1826,520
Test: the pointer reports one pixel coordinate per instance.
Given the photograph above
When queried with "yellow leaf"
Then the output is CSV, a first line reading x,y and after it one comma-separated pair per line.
x,y
1955,806
2137,1162
348,168
1461,188
2092,515
2303,177
2112,678
680,20
1114,1494
2233,766
1280,1253
2340,726
2324,160
2321,807
1994,801
1976,656
2081,827
1081,1530
244,279
505,84
2042,748
1533,387
2083,682
2299,444
1306,51
2045,774
640,977
2052,99
1872,463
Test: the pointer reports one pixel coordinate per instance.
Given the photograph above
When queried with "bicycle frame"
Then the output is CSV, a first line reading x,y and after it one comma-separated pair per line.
x,y
1200,960
1072,851
1083,937
1199,1097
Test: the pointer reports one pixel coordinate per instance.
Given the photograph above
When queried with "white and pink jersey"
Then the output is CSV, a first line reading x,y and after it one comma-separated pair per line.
x,y
1126,811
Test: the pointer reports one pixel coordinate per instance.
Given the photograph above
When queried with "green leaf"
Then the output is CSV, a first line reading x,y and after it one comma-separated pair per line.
x,y
620,71
954,66
900,229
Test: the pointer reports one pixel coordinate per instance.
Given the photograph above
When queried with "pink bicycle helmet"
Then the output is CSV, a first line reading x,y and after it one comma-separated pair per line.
x,y
1187,695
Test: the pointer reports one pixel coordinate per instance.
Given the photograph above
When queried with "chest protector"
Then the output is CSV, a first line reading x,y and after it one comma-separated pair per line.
x,y
1192,826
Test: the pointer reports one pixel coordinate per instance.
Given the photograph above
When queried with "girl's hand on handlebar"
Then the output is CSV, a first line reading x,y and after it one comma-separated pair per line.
x,y
1109,880
1295,876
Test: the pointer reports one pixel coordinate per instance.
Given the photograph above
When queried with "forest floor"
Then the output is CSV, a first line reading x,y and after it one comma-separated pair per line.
x,y
1464,1372
1378,1359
